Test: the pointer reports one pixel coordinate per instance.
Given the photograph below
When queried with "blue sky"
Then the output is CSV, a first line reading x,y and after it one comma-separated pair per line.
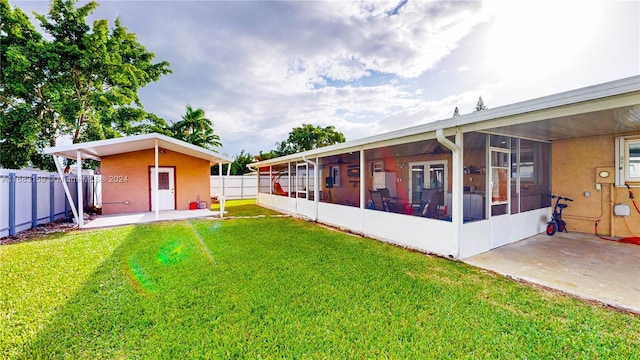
x,y
260,68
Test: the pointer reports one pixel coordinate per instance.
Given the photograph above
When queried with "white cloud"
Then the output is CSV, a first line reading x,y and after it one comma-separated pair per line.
x,y
260,68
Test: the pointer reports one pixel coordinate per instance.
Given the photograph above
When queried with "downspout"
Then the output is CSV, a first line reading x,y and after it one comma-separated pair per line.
x,y
315,185
456,191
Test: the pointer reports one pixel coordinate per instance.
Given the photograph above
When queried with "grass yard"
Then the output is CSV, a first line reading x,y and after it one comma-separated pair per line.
x,y
278,288
240,208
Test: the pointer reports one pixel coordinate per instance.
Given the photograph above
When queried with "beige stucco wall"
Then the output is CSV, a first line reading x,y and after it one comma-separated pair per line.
x,y
574,173
126,178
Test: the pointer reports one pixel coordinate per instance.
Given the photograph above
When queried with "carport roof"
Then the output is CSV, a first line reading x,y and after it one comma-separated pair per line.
x,y
95,150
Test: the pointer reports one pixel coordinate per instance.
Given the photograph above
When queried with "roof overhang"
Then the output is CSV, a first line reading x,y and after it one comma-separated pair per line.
x,y
608,108
96,150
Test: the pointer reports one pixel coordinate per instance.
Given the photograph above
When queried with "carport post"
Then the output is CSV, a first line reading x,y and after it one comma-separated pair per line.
x,y
221,187
224,189
65,186
80,199
156,178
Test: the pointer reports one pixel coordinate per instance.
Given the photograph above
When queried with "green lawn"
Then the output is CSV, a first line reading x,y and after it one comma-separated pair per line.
x,y
241,208
279,288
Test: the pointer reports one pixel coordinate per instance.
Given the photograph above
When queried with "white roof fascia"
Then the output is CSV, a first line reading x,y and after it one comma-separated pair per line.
x,y
590,93
69,151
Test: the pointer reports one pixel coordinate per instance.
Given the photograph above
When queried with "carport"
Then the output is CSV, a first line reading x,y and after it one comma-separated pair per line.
x,y
579,264
144,173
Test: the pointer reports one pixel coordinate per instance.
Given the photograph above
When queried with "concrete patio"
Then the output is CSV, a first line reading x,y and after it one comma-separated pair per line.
x,y
579,264
147,217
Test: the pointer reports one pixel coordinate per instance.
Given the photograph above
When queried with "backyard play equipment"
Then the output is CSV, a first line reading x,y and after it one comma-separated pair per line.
x,y
277,188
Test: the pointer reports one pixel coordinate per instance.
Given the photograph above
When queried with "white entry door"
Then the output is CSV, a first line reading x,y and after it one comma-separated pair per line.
x,y
166,188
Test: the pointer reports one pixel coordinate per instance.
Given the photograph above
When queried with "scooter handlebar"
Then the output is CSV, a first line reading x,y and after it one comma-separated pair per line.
x,y
559,197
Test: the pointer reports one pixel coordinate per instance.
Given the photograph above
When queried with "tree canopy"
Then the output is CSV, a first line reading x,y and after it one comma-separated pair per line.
x,y
196,129
80,82
238,166
480,105
308,137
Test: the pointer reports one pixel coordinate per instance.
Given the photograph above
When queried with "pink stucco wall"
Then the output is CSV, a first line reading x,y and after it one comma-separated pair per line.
x,y
126,178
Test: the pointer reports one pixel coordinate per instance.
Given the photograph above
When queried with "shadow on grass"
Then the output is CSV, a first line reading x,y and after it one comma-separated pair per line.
x,y
147,299
285,288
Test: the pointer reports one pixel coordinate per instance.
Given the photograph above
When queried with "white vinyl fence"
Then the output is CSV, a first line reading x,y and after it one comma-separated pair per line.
x,y
32,198
237,186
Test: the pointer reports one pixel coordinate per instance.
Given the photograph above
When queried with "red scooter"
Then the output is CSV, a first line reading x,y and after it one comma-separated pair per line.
x,y
556,223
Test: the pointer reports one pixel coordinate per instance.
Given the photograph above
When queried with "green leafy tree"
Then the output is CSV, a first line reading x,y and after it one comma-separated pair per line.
x,y
480,105
307,137
238,166
195,128
81,82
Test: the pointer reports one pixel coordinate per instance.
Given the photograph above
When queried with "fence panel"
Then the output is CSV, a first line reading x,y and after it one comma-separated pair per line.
x,y
238,186
32,198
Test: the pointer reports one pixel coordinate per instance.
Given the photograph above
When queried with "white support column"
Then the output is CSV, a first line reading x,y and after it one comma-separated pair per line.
x,y
289,180
363,196
271,180
221,188
156,180
316,184
223,199
458,191
79,188
56,160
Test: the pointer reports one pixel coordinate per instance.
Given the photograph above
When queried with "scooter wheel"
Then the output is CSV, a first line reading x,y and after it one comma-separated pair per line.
x,y
551,228
562,226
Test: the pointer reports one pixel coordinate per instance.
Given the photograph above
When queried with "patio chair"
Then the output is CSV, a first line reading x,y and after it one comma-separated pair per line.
x,y
429,203
386,195
379,203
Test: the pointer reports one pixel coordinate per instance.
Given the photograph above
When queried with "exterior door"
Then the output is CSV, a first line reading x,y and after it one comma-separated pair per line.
x,y
166,188
427,175
499,181
302,182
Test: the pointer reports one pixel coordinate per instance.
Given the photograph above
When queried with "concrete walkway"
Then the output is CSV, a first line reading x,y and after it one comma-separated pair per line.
x,y
147,217
579,264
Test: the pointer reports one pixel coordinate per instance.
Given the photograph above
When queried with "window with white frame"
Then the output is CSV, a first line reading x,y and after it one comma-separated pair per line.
x,y
627,160
334,172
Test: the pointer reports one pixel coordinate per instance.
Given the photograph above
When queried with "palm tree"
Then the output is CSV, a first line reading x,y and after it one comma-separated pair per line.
x,y
196,129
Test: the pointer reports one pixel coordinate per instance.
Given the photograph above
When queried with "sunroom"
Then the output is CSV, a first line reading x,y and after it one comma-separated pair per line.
x,y
455,187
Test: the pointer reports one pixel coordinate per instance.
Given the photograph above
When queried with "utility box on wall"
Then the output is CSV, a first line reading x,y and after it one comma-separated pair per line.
x,y
621,210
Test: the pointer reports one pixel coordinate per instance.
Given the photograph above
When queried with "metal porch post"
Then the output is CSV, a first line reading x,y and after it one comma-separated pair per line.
x,y
156,180
79,187
66,188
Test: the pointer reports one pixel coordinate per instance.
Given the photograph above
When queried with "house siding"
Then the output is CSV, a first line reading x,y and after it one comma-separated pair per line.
x,y
574,174
126,178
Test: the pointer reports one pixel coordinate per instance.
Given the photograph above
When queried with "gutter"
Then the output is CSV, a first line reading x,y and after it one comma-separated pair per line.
x,y
456,191
316,184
